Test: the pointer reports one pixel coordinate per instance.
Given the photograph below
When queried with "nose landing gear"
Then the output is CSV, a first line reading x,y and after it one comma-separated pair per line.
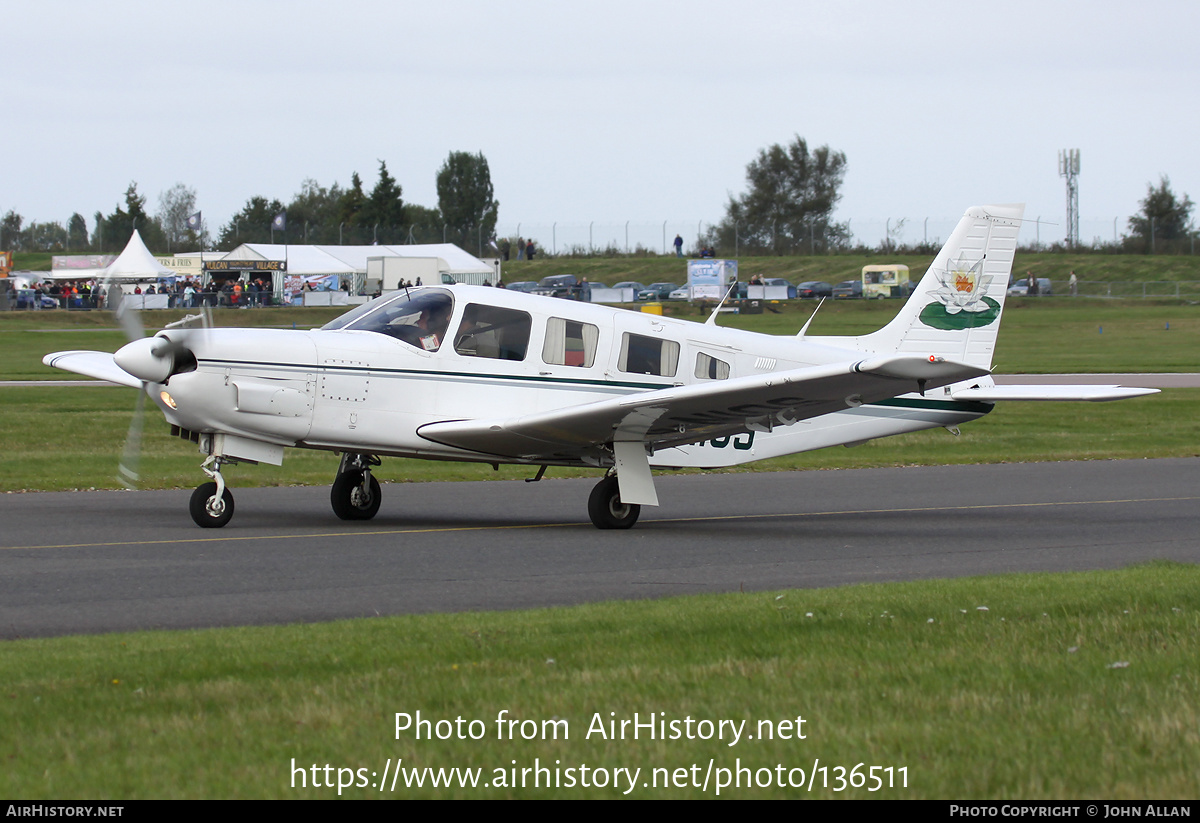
x,y
211,505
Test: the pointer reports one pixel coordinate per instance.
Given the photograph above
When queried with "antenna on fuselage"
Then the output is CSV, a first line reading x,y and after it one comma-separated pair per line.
x,y
712,318
802,331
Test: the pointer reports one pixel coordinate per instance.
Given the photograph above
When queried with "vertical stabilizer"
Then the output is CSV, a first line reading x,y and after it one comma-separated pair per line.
x,y
955,310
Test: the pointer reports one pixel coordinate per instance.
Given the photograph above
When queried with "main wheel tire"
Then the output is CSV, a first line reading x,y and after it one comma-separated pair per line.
x,y
606,509
349,500
208,512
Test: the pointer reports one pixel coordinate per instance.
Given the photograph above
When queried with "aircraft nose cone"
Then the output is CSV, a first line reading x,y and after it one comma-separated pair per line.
x,y
146,359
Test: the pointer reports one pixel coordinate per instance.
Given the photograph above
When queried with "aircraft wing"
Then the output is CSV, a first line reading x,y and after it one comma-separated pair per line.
x,y
690,414
96,364
996,394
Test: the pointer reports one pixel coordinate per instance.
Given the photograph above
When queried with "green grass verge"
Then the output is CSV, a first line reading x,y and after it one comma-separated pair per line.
x,y
974,706
1078,685
59,439
1037,336
835,268
27,337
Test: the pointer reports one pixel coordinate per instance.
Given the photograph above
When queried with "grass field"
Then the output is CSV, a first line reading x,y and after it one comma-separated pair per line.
x,y
835,268
62,438
1037,336
59,438
1008,687
1044,686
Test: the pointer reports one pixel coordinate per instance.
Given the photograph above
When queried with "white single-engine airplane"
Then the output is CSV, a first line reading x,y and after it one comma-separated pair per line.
x,y
479,374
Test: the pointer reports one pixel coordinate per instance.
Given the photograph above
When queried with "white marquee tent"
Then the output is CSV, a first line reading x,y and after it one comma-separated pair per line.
x,y
134,264
308,261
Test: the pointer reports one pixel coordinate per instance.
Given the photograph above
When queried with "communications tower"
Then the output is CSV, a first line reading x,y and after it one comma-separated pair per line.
x,y
1068,167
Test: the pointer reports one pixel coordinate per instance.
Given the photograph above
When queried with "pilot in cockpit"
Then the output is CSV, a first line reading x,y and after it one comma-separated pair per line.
x,y
419,319
430,327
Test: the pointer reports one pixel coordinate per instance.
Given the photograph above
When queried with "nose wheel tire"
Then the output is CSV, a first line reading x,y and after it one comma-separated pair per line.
x,y
209,511
350,500
606,509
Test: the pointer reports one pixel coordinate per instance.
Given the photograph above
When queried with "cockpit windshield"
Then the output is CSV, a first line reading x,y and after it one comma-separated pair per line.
x,y
418,317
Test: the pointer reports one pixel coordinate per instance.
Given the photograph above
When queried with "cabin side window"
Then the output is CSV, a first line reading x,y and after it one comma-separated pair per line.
x,y
648,355
569,343
493,332
710,368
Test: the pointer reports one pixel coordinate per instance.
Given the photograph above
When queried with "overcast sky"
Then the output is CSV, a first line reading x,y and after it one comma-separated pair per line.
x,y
608,112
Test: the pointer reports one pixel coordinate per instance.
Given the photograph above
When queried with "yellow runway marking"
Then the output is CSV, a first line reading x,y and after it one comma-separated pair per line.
x,y
182,541
711,518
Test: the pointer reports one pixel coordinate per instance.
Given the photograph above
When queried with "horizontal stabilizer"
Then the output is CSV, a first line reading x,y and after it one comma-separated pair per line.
x,y
996,394
97,364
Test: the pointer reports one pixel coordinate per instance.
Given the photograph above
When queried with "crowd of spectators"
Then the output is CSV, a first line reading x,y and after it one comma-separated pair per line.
x,y
184,293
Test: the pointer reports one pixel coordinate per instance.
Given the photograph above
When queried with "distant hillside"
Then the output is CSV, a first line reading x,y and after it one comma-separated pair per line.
x,y
834,268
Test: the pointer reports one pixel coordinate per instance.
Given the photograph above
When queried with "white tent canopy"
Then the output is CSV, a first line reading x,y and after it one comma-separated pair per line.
x,y
301,260
321,260
136,263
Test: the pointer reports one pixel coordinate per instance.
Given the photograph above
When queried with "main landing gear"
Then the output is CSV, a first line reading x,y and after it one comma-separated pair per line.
x,y
211,506
606,509
355,494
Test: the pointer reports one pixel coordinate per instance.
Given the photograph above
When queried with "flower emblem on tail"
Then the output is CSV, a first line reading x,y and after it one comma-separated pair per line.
x,y
961,296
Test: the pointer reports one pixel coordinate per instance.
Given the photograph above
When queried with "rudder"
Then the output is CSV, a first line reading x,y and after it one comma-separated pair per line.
x,y
955,310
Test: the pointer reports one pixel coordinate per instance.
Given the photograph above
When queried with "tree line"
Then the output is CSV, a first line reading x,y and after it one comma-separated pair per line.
x,y
465,215
787,208
791,193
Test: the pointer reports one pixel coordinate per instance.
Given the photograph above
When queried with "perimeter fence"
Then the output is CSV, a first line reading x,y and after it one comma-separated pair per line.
x,y
616,238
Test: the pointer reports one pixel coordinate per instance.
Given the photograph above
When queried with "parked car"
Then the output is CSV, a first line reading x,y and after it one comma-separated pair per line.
x,y
522,286
1020,288
31,298
814,288
847,289
558,285
637,287
656,291
680,293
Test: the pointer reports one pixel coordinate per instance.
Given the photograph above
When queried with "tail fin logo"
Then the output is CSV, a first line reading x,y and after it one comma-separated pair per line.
x,y
962,301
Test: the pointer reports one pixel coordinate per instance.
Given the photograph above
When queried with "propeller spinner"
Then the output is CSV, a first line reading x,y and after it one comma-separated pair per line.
x,y
150,359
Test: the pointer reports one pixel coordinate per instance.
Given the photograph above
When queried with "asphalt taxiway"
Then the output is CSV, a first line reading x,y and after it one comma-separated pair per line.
x,y
89,562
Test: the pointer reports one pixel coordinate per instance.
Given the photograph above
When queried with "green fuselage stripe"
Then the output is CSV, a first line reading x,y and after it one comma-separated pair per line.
x,y
373,370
